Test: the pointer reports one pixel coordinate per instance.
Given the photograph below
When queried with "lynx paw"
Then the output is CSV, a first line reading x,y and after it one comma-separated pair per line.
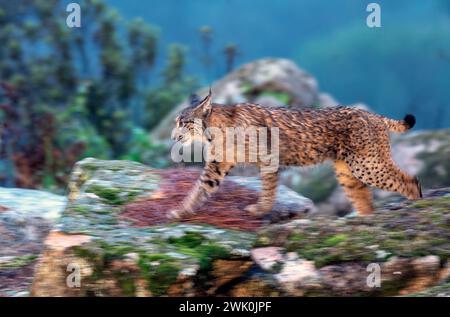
x,y
176,214
255,210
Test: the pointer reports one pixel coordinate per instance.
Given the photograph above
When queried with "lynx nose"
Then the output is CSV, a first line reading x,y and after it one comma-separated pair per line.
x,y
176,135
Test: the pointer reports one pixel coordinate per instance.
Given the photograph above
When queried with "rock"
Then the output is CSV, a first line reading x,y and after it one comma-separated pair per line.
x,y
26,217
225,271
442,290
317,183
409,245
113,255
336,204
267,258
426,271
56,265
297,276
270,82
255,287
107,269
21,203
327,100
425,154
98,235
444,273
288,203
333,281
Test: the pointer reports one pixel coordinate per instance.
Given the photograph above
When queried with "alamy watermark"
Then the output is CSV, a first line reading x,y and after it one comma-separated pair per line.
x,y
374,18
73,280
227,144
374,278
73,19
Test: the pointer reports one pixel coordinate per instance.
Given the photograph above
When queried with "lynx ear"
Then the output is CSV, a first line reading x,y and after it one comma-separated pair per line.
x,y
194,100
204,107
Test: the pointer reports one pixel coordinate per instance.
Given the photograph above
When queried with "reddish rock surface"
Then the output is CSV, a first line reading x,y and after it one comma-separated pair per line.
x,y
225,210
16,280
2,208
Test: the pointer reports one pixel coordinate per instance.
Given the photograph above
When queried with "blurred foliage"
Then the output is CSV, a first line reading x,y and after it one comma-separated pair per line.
x,y
67,93
142,149
319,184
231,52
174,87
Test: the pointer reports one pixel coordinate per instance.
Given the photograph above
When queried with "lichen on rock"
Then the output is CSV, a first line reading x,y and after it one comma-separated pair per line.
x,y
310,255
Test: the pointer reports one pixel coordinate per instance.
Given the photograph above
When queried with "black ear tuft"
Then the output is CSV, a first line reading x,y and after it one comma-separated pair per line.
x,y
410,120
194,100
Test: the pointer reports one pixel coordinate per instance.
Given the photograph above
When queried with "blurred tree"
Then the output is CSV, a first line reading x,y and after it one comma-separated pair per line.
x,y
174,87
66,93
231,52
206,35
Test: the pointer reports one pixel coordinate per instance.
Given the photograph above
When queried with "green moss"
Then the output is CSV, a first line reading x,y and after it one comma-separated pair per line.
x,y
335,240
296,237
246,88
81,209
189,240
110,221
113,196
126,283
364,236
158,257
160,276
90,166
442,290
419,229
422,204
100,254
196,245
282,97
18,261
210,252
116,252
116,168
86,253
94,257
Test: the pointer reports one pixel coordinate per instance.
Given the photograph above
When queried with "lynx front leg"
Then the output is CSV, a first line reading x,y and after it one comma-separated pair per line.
x,y
267,196
207,184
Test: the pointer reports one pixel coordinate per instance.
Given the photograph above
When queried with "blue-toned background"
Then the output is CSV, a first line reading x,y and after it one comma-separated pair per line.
x,y
99,90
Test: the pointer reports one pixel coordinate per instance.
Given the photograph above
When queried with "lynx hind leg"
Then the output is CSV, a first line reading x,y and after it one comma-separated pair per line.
x,y
207,184
358,192
381,172
266,199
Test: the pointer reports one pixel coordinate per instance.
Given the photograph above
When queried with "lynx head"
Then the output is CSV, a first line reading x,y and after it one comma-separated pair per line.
x,y
190,124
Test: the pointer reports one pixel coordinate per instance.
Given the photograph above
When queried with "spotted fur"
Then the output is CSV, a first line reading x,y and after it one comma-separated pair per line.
x,y
356,140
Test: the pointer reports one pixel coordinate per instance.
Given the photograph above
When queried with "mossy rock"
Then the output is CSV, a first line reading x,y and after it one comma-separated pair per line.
x,y
420,228
442,290
122,261
14,262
